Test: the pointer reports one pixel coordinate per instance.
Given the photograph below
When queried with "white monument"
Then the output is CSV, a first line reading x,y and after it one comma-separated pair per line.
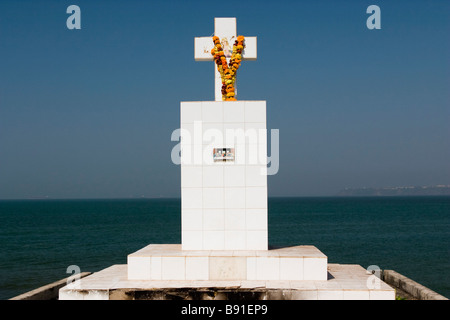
x,y
224,207
224,193
224,201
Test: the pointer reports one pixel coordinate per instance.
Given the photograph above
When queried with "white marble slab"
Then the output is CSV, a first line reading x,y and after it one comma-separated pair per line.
x,y
293,263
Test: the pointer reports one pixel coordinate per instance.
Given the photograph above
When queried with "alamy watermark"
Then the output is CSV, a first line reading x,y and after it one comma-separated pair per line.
x,y
73,282
374,280
374,21
74,20
197,142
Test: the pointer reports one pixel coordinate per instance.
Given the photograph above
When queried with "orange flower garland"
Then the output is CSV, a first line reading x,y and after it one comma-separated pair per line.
x,y
228,70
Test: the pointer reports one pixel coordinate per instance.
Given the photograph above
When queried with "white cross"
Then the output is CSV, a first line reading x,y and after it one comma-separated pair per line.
x,y
225,29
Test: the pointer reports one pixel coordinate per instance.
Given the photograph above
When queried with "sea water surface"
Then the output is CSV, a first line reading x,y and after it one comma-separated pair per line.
x,y
40,239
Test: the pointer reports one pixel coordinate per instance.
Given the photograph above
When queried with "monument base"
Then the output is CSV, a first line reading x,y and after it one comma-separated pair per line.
x,y
170,262
345,282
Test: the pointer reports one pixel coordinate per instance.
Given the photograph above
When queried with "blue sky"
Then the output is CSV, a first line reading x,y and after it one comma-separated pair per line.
x,y
89,113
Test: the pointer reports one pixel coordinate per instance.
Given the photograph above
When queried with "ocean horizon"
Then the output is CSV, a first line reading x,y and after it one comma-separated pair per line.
x,y
41,238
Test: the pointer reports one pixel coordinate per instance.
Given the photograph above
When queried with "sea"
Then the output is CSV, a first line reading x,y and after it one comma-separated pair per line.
x,y
41,240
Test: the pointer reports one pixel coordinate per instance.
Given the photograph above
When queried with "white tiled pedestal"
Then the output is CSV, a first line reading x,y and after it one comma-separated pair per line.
x,y
224,204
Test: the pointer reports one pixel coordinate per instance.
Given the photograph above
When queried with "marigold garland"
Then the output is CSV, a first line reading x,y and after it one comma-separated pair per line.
x,y
228,70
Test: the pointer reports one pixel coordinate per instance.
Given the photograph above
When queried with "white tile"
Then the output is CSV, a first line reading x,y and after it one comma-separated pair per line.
x,y
192,219
256,219
234,112
190,112
156,268
139,268
212,111
234,198
251,268
234,176
213,133
197,268
240,151
234,129
382,294
291,268
213,198
235,219
208,155
235,240
213,240
191,198
255,111
315,269
256,132
267,268
330,295
251,136
213,219
191,176
227,268
234,133
213,176
173,268
191,239
191,133
257,240
256,176
356,295
191,155
256,197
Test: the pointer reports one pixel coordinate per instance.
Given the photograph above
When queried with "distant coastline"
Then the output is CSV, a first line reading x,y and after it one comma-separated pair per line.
x,y
438,190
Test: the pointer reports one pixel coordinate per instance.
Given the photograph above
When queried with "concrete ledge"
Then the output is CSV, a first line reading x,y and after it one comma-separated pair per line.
x,y
408,288
47,292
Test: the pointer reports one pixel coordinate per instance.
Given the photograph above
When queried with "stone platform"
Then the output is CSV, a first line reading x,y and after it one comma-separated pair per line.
x,y
344,282
170,262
